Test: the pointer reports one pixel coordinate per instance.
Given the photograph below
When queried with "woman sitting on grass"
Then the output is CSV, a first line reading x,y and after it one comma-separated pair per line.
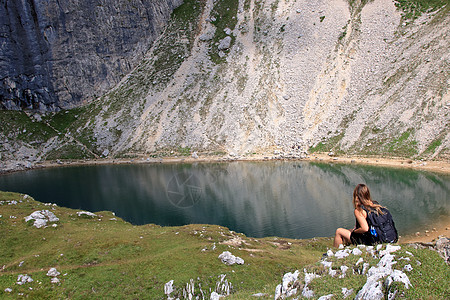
x,y
367,212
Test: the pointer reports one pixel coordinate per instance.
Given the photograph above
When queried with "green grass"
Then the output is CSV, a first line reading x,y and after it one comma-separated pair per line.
x,y
225,14
69,151
105,257
432,147
404,145
16,125
430,276
414,8
331,143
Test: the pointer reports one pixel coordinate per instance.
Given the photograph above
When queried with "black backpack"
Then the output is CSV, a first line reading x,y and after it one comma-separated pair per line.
x,y
381,226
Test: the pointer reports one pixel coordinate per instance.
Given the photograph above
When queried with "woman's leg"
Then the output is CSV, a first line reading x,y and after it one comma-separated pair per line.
x,y
342,237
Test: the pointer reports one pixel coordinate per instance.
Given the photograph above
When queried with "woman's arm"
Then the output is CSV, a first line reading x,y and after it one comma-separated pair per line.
x,y
361,218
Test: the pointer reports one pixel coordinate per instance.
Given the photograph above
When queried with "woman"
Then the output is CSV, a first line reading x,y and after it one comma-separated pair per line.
x,y
360,234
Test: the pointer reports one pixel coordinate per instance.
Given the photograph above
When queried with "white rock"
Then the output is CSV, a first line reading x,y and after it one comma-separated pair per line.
x,y
168,288
309,277
86,213
346,292
330,253
41,218
365,266
341,254
307,293
327,297
398,276
39,223
289,278
408,268
326,264
229,259
22,279
206,36
360,260
215,296
195,155
372,290
356,251
225,43
8,290
55,280
389,249
53,272
278,291
343,270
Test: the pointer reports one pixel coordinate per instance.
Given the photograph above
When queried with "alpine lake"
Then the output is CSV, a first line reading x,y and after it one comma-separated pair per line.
x,y
292,199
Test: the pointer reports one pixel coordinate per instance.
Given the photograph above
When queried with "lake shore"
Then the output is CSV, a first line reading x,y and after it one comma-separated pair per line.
x,y
438,166
426,235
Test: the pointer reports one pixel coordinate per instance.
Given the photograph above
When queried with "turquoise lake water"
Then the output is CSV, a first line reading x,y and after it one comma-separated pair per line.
x,y
274,198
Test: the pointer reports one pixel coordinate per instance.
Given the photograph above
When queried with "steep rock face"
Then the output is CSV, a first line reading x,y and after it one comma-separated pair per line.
x,y
58,53
350,76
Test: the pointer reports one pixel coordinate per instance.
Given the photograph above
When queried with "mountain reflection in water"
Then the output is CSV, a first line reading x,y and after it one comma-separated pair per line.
x,y
286,199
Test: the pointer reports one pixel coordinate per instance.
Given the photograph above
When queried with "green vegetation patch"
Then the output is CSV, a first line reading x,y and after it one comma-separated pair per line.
x,y
105,257
412,9
331,143
224,16
404,145
69,151
427,273
18,125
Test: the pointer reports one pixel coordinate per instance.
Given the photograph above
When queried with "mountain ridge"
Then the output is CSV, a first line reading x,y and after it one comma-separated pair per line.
x,y
244,77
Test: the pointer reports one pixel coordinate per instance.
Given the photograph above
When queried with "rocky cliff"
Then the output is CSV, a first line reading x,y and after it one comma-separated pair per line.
x,y
352,76
280,77
59,53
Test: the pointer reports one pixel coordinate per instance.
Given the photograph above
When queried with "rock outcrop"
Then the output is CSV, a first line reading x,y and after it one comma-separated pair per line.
x,y
238,77
58,53
351,76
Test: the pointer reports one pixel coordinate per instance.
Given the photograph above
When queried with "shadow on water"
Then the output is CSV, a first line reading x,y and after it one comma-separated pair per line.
x,y
287,199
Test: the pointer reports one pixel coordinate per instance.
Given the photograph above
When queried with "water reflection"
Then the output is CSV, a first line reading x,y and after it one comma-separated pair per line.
x,y
289,199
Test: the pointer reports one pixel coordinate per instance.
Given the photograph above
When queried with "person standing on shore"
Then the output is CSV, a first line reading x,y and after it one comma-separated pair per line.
x,y
374,222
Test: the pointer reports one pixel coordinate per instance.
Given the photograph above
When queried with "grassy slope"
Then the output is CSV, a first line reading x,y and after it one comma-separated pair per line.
x,y
108,258
105,258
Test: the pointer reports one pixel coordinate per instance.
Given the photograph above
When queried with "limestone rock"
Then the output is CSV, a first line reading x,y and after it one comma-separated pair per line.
x,y
22,279
229,259
41,218
86,213
53,272
443,248
57,53
225,43
168,288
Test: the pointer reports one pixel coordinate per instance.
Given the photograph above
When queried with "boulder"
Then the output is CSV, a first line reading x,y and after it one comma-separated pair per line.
x,y
443,248
22,279
225,43
41,218
229,259
53,272
168,288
